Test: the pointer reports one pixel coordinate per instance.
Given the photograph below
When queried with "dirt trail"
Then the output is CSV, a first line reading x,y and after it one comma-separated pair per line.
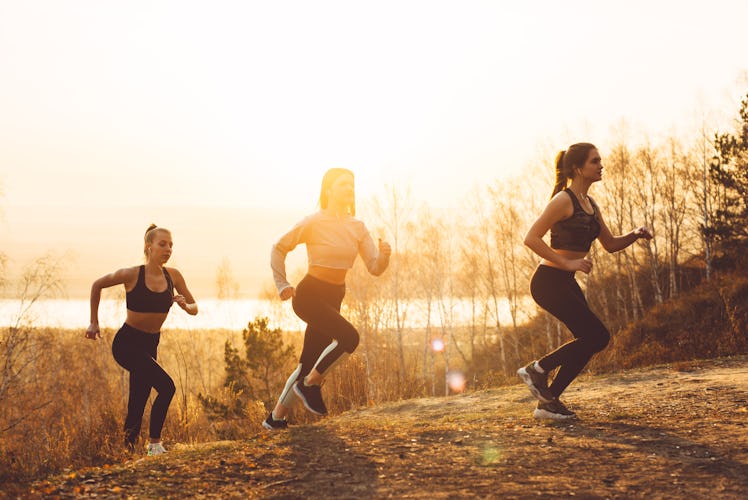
x,y
655,433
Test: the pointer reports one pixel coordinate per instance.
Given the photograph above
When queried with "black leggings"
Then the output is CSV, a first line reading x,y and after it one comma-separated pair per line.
x,y
557,292
318,304
135,351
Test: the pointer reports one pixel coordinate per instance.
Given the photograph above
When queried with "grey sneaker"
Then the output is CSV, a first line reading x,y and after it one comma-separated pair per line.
x,y
537,382
272,424
311,396
554,410
155,449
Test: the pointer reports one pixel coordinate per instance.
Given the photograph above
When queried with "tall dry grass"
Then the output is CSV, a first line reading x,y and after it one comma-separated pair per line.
x,y
71,401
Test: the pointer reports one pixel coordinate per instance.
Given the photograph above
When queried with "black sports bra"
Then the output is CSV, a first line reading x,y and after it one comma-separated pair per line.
x,y
578,231
142,299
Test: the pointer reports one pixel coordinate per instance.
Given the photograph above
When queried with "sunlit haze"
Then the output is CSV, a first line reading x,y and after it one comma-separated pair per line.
x,y
218,119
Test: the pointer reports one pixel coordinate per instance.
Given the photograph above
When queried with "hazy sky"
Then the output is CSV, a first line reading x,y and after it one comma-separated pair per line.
x,y
217,119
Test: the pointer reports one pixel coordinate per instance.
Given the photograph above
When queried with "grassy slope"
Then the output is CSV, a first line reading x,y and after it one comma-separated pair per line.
x,y
662,432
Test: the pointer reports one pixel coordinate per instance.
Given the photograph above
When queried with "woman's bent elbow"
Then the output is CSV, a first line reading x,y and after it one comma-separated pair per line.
x,y
611,248
377,269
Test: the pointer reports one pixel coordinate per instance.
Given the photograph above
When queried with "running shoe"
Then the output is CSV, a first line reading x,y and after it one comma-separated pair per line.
x,y
311,396
155,449
537,382
555,410
272,424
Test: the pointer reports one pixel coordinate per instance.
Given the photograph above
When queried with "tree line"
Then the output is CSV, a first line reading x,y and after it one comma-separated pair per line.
x,y
692,195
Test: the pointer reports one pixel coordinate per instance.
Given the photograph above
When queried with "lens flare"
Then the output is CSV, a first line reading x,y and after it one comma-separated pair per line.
x,y
437,345
490,455
456,380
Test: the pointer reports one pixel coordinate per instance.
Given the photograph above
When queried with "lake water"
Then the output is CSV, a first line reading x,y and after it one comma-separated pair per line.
x,y
214,313
229,314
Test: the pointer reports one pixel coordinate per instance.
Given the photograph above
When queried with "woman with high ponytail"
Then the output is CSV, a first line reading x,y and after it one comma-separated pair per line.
x,y
150,292
561,177
575,221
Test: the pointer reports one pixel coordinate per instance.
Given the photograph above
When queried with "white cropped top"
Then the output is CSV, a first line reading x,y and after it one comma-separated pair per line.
x,y
331,241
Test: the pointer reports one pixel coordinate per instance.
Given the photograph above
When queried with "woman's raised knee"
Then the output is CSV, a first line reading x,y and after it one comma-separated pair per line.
x,y
599,341
166,387
350,340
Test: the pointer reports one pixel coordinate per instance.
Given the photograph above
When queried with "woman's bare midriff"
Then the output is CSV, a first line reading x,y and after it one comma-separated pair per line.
x,y
328,274
146,322
567,254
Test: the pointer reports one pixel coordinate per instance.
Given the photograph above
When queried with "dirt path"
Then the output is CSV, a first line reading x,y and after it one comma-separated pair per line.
x,y
654,433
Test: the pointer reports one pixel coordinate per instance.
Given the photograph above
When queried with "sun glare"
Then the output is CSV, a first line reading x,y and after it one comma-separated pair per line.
x,y
437,345
456,381
432,98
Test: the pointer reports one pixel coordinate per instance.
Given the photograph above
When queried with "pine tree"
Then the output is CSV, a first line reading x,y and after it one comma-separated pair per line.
x,y
729,171
257,375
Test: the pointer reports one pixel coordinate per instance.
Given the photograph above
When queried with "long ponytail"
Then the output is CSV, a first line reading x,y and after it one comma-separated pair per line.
x,y
566,161
561,177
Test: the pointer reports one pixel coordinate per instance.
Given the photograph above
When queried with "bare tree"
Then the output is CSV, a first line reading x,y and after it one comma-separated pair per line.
x,y
509,226
366,307
394,214
227,287
428,239
482,238
3,270
618,165
466,281
443,257
676,198
19,351
646,166
705,151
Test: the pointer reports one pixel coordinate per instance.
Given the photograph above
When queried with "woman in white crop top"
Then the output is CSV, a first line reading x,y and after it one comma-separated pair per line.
x,y
333,238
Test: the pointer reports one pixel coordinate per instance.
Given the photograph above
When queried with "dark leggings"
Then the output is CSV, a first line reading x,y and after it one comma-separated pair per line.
x,y
318,304
558,292
135,351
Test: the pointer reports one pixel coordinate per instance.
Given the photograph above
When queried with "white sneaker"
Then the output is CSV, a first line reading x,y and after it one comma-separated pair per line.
x,y
555,410
537,382
155,449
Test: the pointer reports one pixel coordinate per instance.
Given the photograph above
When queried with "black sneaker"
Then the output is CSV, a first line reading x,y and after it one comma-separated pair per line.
x,y
311,396
537,382
555,410
275,425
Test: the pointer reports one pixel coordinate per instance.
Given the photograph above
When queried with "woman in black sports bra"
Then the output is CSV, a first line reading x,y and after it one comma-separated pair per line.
x,y
575,221
134,345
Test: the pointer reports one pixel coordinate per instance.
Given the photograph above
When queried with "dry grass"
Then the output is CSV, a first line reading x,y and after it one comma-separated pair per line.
x,y
657,437
72,402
